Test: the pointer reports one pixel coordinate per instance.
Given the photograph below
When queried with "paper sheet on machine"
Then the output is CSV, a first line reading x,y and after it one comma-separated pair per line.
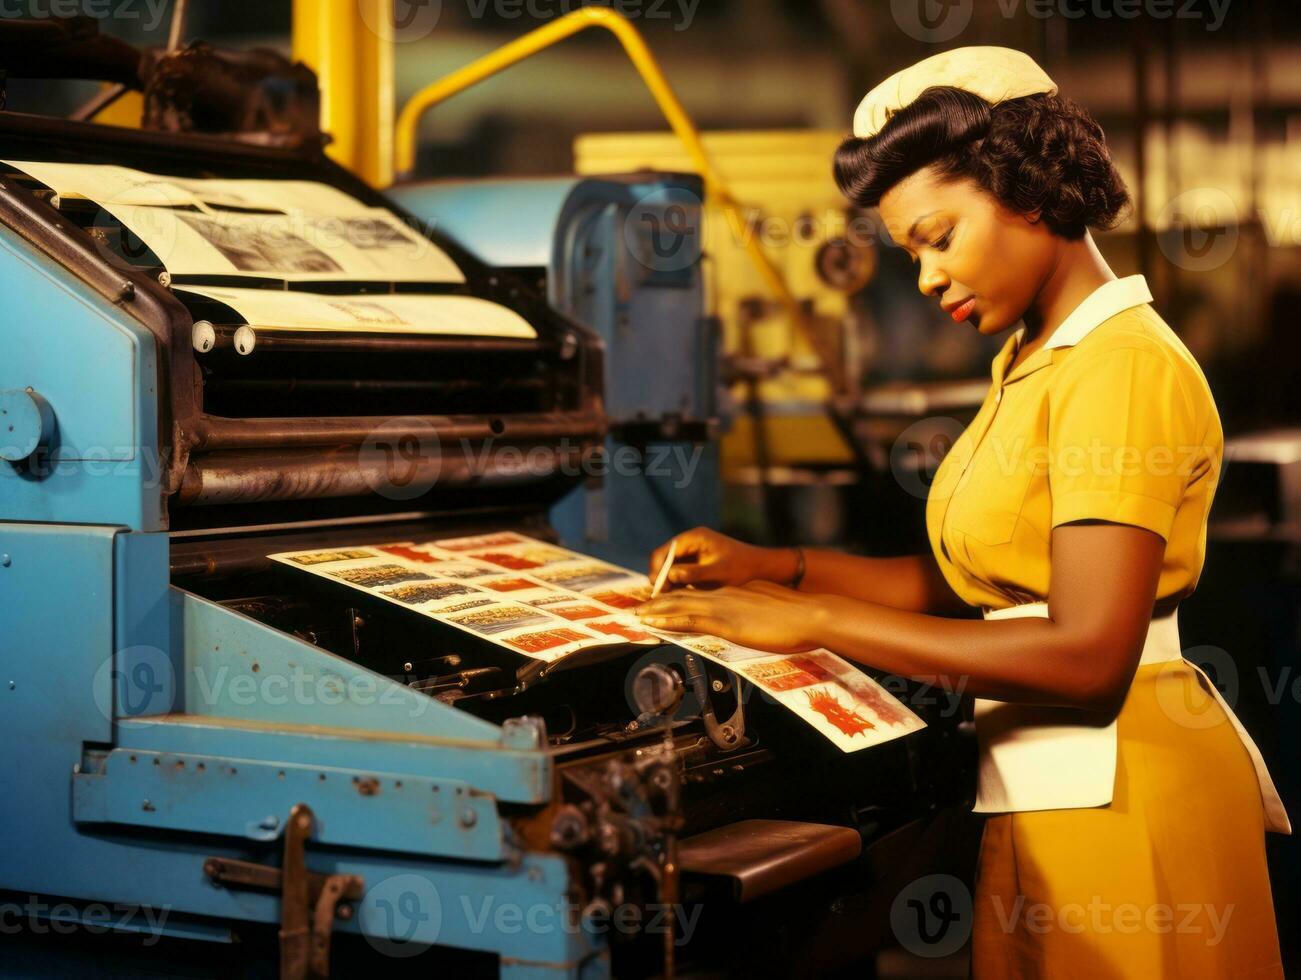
x,y
544,601
295,230
407,313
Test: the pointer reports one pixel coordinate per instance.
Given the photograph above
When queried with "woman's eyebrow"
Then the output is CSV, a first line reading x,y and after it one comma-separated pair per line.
x,y
912,229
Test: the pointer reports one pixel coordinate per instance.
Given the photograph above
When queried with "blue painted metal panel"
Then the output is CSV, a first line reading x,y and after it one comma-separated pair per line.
x,y
510,775
97,369
506,223
56,683
56,679
241,798
237,667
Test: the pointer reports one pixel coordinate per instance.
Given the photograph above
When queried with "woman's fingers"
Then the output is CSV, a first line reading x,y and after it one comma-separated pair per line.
x,y
694,573
690,545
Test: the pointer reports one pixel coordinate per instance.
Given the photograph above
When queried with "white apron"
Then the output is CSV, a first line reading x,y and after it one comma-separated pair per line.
x,y
1035,757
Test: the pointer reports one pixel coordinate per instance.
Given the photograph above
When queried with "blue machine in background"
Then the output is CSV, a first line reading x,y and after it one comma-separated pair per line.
x,y
622,255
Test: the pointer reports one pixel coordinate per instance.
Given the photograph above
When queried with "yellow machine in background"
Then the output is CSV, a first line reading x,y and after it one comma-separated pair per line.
x,y
786,199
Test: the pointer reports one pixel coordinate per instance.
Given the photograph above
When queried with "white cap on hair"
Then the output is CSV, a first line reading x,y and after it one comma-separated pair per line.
x,y
995,74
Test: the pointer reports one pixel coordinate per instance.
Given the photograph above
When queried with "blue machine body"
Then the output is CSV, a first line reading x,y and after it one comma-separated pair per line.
x,y
148,729
621,254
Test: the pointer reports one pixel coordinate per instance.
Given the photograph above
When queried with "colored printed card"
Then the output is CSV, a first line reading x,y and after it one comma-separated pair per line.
x,y
544,601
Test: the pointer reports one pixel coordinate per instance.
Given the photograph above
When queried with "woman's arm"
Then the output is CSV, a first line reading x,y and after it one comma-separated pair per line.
x,y
910,582
1104,581
709,559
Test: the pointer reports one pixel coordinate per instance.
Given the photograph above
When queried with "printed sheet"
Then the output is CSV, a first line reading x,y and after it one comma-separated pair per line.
x,y
544,601
407,313
295,230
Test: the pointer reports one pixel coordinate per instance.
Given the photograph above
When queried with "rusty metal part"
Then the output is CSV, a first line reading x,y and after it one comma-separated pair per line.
x,y
304,936
212,432
242,477
728,735
763,856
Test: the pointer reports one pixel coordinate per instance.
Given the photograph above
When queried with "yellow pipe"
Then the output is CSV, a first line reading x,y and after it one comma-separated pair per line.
x,y
634,46
351,51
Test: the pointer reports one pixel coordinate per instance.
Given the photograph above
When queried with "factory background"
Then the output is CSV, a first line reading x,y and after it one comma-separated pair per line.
x,y
824,428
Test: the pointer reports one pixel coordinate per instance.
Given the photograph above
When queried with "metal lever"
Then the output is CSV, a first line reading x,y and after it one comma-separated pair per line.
x,y
304,942
730,734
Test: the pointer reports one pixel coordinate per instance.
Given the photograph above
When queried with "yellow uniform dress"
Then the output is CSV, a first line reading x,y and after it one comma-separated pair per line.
x,y
1111,420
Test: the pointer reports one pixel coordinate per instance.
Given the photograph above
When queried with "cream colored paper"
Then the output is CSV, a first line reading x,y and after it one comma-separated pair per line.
x,y
404,313
299,247
292,229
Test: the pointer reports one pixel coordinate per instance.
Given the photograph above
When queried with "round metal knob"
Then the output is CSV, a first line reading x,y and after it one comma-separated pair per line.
x,y
26,423
658,690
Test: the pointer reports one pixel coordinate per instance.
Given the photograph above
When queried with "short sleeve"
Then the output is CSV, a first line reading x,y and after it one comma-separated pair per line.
x,y
1123,439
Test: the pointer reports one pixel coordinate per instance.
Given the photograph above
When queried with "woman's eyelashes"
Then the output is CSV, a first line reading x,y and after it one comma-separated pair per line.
x,y
940,244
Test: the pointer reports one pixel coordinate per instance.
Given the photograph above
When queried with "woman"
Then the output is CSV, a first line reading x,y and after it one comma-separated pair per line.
x,y
1127,808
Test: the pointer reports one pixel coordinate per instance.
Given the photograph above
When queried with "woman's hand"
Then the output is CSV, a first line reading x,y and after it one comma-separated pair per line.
x,y
708,559
760,615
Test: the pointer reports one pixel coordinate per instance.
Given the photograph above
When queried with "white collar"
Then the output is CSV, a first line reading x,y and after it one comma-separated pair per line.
x,y
1112,297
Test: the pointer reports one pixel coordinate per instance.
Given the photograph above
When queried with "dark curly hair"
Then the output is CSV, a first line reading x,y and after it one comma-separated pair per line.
x,y
1038,153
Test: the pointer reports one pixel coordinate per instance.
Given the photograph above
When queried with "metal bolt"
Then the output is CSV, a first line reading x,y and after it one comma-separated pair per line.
x,y
270,823
5,561
468,817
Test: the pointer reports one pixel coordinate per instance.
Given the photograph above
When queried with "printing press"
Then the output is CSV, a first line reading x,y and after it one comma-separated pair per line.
x,y
291,770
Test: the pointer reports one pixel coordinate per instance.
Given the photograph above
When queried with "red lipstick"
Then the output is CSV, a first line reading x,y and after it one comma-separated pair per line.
x,y
963,310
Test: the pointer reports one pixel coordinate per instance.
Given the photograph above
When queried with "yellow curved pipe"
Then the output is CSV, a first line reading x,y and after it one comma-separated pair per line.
x,y
635,47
